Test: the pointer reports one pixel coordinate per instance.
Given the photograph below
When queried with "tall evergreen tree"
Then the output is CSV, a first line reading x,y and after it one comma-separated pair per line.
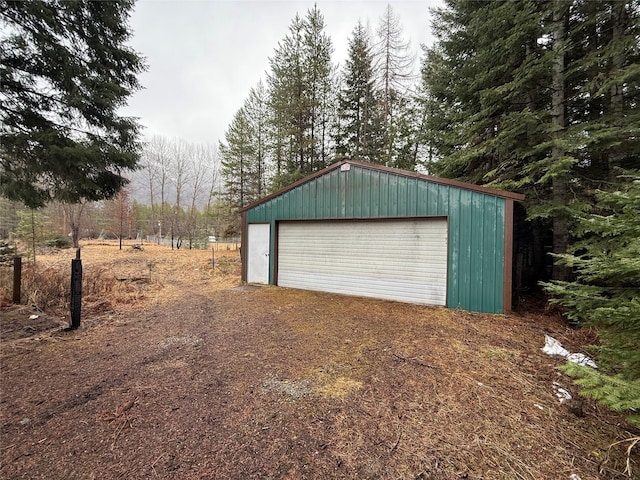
x,y
319,84
65,69
299,85
257,114
361,130
237,158
289,102
8,217
408,124
521,88
606,294
393,65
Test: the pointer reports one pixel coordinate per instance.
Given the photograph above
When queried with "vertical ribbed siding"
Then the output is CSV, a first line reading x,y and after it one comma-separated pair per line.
x,y
476,223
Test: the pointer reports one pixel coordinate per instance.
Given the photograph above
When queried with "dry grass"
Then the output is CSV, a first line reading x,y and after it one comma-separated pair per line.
x,y
194,379
114,277
114,282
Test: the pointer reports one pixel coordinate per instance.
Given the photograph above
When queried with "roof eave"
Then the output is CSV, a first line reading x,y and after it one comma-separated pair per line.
x,y
394,171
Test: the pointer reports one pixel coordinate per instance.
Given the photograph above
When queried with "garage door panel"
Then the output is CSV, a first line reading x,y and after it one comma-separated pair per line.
x,y
398,259
348,266
363,286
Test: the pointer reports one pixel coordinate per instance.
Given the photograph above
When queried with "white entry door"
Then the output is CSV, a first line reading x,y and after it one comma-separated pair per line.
x,y
258,253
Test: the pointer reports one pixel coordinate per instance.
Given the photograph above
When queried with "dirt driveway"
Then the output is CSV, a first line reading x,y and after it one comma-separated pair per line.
x,y
243,383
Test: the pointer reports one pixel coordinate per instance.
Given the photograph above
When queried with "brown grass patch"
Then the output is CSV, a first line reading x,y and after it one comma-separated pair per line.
x,y
193,379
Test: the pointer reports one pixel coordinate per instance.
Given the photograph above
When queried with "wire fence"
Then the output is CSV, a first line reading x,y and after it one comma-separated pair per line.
x,y
216,243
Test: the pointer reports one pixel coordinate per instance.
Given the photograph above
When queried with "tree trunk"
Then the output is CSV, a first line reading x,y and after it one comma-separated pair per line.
x,y
618,15
33,234
560,221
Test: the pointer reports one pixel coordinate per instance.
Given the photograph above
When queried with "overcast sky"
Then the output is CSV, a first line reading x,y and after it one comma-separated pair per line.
x,y
204,56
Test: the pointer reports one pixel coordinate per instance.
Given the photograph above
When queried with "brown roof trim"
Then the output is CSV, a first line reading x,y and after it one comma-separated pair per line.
x,y
394,171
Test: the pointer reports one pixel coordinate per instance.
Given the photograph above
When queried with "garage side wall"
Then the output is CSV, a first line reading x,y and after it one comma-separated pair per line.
x,y
476,223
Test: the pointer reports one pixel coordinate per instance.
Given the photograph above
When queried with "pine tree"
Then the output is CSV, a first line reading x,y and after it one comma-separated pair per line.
x,y
257,114
408,126
288,101
483,79
30,228
237,156
299,86
319,80
519,90
606,294
361,120
65,71
8,217
394,71
119,216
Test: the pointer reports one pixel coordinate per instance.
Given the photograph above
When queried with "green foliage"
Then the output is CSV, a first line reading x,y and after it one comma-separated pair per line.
x,y
31,229
285,179
314,114
606,292
57,241
66,70
362,134
238,157
8,217
536,96
7,252
615,391
300,88
394,63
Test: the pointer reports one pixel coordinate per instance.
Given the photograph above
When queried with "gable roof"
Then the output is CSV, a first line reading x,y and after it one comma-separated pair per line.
x,y
393,171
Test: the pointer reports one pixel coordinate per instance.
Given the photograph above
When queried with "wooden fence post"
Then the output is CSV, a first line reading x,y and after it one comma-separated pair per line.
x,y
76,291
17,279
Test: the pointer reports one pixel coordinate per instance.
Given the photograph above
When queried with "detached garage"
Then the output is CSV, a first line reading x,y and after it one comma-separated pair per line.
x,y
362,229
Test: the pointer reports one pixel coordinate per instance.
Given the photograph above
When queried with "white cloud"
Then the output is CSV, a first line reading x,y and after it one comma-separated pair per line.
x,y
204,56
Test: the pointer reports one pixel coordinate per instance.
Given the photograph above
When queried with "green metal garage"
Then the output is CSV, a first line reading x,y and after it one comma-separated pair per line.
x,y
363,229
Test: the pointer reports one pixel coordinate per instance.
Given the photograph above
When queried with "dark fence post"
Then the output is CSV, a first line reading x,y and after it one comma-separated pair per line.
x,y
17,279
76,291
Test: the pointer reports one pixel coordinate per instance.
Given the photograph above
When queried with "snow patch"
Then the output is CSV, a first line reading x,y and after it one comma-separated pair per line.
x,y
562,394
554,347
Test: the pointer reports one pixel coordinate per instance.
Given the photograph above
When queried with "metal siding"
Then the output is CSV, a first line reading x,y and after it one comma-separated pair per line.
x,y
336,201
382,201
376,193
326,196
476,273
393,197
402,260
455,252
499,255
484,246
422,196
333,198
350,191
431,197
344,183
475,223
297,202
410,205
365,196
313,200
465,265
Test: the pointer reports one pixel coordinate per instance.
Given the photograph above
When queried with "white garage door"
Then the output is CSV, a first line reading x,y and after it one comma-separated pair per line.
x,y
403,260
